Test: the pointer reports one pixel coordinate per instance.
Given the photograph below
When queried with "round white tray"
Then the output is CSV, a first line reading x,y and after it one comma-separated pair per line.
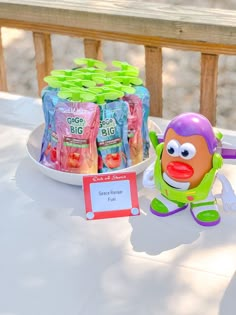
x,y
34,147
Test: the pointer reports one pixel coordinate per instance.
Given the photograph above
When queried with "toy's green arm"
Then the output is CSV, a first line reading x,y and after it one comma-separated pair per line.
x,y
153,139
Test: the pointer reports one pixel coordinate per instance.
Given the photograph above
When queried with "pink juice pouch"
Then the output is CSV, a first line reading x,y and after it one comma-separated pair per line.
x,y
77,128
135,138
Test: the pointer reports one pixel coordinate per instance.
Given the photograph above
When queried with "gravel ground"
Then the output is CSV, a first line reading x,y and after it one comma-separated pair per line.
x,y
181,70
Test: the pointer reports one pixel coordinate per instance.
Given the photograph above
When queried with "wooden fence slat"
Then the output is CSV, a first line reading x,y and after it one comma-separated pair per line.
x,y
43,57
208,92
164,42
153,70
93,49
136,18
3,77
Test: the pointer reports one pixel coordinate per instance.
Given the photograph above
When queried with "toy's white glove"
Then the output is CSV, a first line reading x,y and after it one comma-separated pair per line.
x,y
148,177
227,195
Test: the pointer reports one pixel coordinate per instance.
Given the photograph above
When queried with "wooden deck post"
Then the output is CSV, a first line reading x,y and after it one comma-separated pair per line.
x,y
43,57
153,69
208,92
3,77
93,49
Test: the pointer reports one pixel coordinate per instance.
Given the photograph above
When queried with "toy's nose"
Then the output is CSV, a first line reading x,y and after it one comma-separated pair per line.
x,y
179,170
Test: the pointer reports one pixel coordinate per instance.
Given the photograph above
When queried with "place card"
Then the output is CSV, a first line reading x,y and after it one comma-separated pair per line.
x,y
111,195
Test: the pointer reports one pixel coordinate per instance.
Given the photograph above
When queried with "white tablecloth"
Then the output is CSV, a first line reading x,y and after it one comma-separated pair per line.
x,y
55,262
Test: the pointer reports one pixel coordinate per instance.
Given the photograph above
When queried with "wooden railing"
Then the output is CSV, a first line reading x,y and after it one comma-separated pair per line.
x,y
209,31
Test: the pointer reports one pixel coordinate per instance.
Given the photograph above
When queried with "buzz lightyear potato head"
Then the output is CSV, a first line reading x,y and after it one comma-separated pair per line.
x,y
185,169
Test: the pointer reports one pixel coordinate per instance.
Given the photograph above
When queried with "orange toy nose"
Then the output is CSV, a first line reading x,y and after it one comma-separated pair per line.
x,y
179,170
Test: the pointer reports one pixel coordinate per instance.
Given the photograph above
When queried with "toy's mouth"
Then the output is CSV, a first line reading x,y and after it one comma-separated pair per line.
x,y
175,184
179,170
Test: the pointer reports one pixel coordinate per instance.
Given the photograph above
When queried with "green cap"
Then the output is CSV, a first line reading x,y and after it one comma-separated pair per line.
x,y
122,88
64,72
110,95
127,80
122,73
79,82
90,70
77,95
125,66
89,62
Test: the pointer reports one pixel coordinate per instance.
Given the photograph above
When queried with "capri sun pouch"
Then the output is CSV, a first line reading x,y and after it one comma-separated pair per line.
x,y
129,76
112,138
77,124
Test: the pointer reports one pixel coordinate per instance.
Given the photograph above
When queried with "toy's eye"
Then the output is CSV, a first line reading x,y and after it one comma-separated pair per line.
x,y
173,147
187,151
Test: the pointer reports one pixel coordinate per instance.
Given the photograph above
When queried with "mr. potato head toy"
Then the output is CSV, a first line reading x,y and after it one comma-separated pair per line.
x,y
185,169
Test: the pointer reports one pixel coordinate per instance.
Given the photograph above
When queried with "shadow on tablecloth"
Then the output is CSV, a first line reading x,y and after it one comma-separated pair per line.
x,y
228,303
47,192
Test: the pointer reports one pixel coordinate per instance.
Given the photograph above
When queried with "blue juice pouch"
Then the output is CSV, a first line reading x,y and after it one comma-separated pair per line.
x,y
143,93
49,142
112,139
50,99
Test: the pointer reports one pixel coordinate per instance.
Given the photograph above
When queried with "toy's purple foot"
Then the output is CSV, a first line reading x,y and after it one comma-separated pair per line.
x,y
163,207
206,213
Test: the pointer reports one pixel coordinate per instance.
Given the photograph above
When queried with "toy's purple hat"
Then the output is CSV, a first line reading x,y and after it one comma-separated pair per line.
x,y
189,124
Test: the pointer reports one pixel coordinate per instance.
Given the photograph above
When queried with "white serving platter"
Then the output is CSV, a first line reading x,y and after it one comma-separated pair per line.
x,y
34,147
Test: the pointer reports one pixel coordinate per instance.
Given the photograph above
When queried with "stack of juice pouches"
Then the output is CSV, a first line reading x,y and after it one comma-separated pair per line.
x,y
93,119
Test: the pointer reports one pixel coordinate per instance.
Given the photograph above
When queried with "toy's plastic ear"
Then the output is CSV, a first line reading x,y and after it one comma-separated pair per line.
x,y
217,161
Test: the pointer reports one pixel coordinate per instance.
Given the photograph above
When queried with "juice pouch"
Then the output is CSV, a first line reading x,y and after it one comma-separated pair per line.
x,y
135,116
50,99
143,93
129,75
112,139
77,126
49,142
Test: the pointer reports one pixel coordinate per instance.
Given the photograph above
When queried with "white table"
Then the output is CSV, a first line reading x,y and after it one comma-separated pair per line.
x,y
55,262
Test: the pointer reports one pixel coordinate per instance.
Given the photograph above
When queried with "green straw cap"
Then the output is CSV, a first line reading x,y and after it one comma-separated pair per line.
x,y
104,81
123,88
78,82
90,63
86,75
77,96
54,81
64,72
111,95
122,73
125,66
90,70
126,80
